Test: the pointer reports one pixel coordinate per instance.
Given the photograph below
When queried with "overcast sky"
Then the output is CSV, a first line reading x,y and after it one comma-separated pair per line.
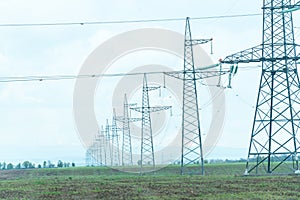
x,y
37,120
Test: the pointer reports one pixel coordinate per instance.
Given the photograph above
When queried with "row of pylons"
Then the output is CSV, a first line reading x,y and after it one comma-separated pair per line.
x,y
275,143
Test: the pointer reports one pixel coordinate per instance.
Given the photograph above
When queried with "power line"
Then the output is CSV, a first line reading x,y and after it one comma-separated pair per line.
x,y
72,77
68,77
126,21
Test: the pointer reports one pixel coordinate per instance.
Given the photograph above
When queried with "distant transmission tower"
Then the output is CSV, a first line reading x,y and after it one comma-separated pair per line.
x,y
88,157
115,148
108,146
98,148
103,146
275,135
99,141
191,152
126,140
147,150
91,155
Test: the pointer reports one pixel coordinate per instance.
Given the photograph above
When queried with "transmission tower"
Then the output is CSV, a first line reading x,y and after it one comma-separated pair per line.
x,y
115,150
191,152
92,155
275,139
88,157
108,145
147,150
126,140
103,144
95,152
100,143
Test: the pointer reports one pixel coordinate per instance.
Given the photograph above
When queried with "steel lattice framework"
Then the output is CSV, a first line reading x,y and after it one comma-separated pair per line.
x,y
147,150
93,153
99,140
115,148
191,152
88,157
126,140
275,134
103,144
108,150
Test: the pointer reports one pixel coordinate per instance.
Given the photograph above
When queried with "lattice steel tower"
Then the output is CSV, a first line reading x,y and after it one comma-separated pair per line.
x,y
126,140
147,150
115,149
275,135
108,146
191,152
101,140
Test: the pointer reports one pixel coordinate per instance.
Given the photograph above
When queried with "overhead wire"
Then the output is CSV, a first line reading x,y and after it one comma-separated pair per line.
x,y
68,77
71,77
126,21
227,11
236,94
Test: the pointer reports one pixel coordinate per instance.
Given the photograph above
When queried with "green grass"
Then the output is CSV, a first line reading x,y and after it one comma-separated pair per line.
x,y
223,181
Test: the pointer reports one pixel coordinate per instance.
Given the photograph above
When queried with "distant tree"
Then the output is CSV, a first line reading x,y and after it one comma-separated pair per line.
x,y
18,166
60,163
66,164
39,166
73,164
50,165
44,164
31,165
10,166
4,165
0,165
26,164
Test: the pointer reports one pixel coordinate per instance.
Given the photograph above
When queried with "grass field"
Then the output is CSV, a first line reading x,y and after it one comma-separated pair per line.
x,y
223,181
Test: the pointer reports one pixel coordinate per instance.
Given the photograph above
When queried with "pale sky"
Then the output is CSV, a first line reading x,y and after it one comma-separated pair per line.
x,y
37,120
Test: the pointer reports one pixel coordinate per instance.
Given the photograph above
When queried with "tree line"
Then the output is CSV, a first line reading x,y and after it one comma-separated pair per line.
x,y
30,165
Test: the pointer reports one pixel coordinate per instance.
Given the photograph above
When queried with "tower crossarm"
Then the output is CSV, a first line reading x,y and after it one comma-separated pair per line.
x,y
197,41
114,129
199,74
123,119
286,8
151,88
151,109
210,74
255,55
99,137
135,119
247,56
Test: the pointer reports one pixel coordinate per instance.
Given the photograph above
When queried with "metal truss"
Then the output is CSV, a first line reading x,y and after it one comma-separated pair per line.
x,y
99,141
191,152
115,148
147,150
93,153
274,145
126,140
